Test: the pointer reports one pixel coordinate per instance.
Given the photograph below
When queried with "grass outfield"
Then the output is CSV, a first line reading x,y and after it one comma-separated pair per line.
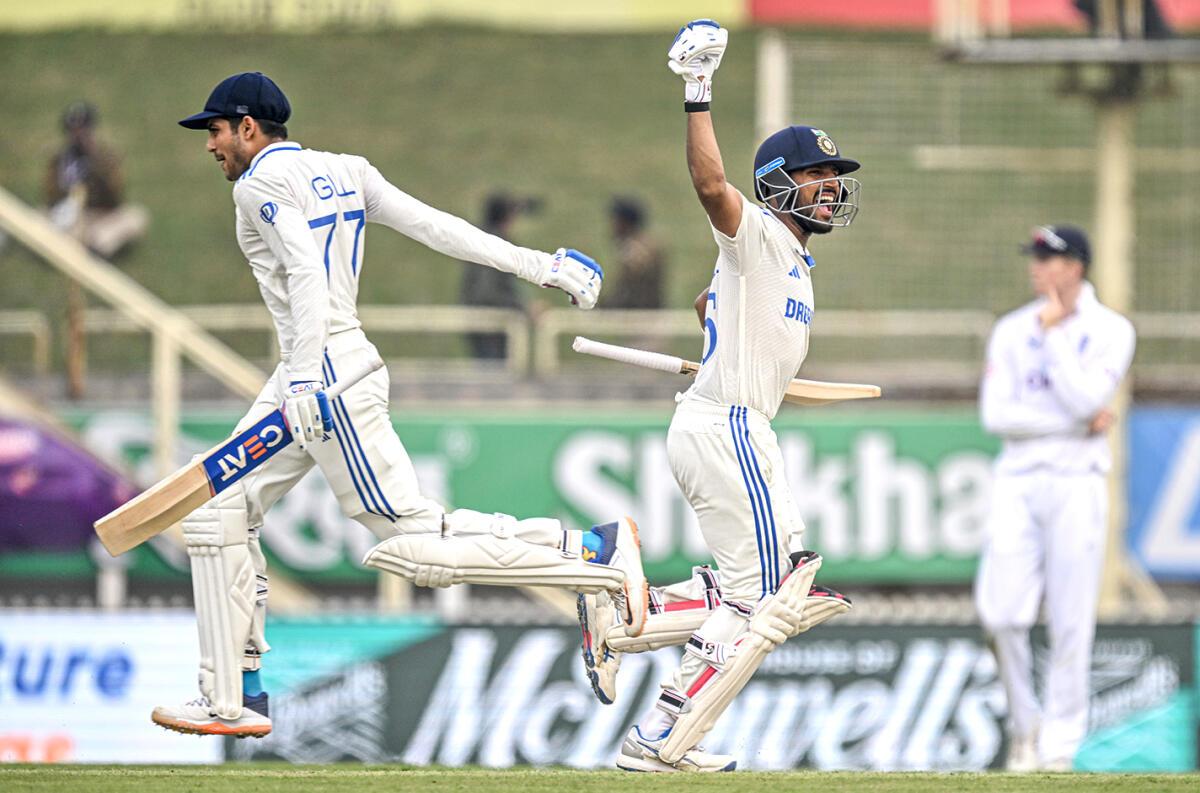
x,y
292,779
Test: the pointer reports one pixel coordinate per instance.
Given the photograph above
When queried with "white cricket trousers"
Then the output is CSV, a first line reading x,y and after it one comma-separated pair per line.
x,y
1045,542
727,462
363,460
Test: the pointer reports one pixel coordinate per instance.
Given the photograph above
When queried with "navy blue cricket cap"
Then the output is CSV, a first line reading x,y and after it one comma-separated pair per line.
x,y
247,94
796,147
1059,241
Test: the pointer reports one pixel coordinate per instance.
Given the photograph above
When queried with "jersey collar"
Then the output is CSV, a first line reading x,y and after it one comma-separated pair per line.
x,y
283,145
797,247
1087,297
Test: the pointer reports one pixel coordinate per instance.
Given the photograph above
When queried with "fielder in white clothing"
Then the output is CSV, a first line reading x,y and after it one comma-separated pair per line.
x,y
1052,369
757,314
301,217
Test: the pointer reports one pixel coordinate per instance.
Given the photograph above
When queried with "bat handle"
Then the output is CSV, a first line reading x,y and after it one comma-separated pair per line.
x,y
373,365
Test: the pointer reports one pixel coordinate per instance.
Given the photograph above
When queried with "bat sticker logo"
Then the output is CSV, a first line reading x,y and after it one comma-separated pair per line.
x,y
247,451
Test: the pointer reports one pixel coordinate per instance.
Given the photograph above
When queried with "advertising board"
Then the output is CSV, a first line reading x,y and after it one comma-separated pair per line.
x,y
79,686
855,697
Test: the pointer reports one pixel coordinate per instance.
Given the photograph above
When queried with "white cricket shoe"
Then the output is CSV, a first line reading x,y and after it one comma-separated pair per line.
x,y
641,754
622,549
596,615
1022,755
198,718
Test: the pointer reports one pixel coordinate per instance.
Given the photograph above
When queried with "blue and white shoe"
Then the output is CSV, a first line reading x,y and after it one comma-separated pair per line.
x,y
596,615
639,753
619,547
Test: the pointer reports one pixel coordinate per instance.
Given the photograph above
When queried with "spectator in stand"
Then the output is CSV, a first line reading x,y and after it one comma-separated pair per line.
x,y
640,260
483,286
85,196
85,188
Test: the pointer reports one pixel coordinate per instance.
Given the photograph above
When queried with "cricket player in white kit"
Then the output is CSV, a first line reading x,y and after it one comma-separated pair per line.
x,y
1052,369
301,216
757,314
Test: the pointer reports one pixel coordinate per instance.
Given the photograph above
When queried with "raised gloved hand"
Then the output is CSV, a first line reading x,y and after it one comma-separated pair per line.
x,y
575,273
695,55
306,411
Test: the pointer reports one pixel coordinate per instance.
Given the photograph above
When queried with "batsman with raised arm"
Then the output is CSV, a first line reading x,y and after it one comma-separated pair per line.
x,y
756,313
301,216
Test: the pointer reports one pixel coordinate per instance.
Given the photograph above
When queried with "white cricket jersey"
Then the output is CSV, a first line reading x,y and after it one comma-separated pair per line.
x,y
301,217
760,310
1041,388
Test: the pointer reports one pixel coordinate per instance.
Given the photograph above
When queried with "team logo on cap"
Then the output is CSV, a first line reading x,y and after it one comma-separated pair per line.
x,y
825,143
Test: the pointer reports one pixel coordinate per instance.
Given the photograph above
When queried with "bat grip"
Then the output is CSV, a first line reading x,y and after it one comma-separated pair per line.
x,y
649,360
373,365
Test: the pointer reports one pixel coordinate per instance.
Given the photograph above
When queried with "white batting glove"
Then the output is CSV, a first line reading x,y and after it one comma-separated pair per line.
x,y
575,273
695,55
306,411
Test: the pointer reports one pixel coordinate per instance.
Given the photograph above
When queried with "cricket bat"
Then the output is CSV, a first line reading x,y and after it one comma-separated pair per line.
x,y
799,392
172,499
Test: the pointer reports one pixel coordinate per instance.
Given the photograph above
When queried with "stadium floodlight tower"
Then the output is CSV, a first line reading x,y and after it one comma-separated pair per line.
x,y
1127,59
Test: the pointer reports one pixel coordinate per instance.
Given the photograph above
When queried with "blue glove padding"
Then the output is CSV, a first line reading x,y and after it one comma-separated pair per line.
x,y
577,274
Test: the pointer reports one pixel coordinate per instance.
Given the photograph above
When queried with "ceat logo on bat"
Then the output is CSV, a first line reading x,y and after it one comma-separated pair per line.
x,y
245,452
256,446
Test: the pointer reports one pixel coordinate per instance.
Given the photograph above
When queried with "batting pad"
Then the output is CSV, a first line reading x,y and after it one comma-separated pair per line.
x,y
433,560
669,629
223,584
777,617
674,628
821,605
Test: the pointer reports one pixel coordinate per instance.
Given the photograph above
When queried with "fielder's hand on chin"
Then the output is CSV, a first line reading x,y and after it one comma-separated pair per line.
x,y
1054,311
1101,422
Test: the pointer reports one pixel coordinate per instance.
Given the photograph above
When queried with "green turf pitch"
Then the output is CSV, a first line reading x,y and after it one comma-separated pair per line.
x,y
264,778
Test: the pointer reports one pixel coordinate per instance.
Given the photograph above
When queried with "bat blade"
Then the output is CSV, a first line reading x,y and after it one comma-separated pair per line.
x,y
173,498
155,510
816,392
799,392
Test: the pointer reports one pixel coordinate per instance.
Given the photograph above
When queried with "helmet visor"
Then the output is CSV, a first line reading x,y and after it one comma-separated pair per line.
x,y
831,202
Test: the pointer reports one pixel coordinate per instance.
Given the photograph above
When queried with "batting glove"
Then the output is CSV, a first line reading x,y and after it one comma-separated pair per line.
x,y
577,274
306,411
695,55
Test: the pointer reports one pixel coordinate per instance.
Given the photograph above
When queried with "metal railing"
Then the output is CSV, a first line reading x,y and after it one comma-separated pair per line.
x,y
34,325
539,346
173,333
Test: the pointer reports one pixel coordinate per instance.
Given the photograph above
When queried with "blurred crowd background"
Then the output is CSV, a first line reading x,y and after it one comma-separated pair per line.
x,y
557,124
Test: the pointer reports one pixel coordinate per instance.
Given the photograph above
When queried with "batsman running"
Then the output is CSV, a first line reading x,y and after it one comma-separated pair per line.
x,y
756,314
301,217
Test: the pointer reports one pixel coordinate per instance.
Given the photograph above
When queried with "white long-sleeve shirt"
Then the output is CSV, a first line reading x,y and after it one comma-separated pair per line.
x,y
1041,388
301,217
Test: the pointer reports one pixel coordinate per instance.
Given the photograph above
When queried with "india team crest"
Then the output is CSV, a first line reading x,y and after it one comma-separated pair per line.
x,y
825,143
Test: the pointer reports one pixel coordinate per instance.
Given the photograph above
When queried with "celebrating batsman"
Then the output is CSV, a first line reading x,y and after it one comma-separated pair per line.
x,y
757,314
301,217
